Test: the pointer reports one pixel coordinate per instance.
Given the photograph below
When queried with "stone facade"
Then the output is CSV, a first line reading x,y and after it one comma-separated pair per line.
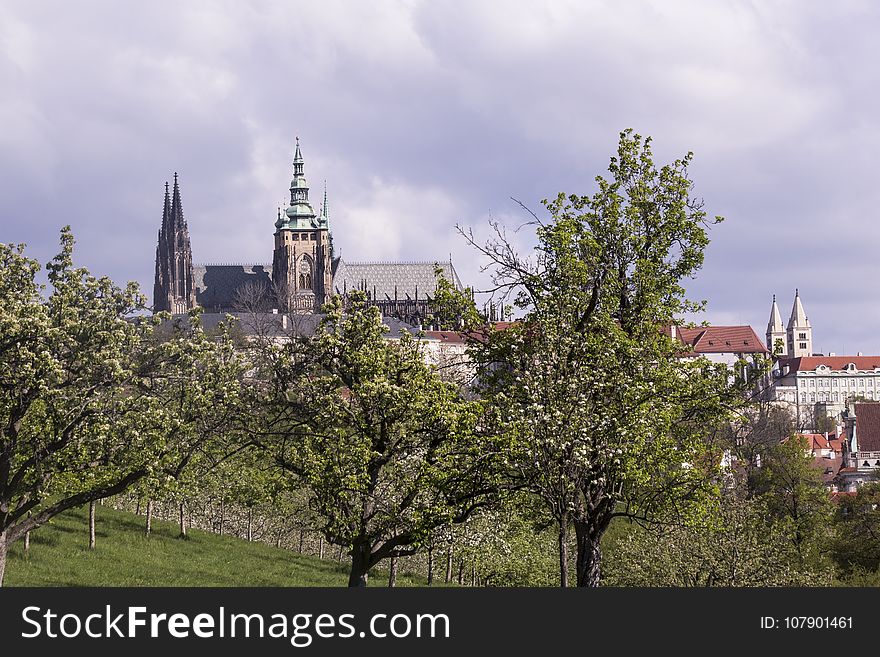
x,y
304,273
173,287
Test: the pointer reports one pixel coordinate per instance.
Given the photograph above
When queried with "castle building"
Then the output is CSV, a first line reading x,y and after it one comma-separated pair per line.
x,y
794,341
304,274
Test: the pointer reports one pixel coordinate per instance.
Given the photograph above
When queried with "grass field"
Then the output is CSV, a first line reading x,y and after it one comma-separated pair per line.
x,y
59,556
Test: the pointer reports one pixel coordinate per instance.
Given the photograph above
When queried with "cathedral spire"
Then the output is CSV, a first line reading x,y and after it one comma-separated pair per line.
x,y
176,206
300,213
173,288
798,316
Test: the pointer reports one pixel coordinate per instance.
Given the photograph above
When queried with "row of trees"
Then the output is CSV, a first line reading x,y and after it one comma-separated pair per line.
x,y
581,414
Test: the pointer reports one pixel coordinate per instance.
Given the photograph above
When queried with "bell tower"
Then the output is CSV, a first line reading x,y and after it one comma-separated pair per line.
x,y
302,261
799,331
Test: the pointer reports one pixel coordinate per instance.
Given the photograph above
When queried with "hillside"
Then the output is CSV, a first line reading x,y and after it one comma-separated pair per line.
x,y
59,556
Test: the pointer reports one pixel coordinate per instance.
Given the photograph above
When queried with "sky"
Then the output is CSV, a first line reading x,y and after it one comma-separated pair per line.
x,y
421,116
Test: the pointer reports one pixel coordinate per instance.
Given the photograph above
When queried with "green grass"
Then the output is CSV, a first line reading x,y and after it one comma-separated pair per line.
x,y
124,556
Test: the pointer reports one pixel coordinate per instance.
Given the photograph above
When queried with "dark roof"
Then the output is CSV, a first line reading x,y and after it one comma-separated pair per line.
x,y
809,363
392,279
287,325
721,339
216,285
868,427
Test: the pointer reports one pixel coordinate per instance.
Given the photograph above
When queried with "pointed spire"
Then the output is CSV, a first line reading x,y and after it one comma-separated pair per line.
x,y
176,205
297,156
166,208
775,323
325,208
798,316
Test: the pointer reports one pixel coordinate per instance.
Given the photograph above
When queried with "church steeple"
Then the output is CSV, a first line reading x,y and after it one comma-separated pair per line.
x,y
173,287
776,342
300,214
799,332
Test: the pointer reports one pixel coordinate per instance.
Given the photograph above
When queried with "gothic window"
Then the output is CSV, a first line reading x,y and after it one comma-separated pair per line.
x,y
305,274
802,336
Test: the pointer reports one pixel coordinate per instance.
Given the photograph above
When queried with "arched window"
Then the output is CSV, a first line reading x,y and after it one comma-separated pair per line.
x,y
302,281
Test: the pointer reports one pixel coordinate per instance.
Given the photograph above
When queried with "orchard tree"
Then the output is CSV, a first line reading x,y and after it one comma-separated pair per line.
x,y
607,417
65,435
91,403
387,450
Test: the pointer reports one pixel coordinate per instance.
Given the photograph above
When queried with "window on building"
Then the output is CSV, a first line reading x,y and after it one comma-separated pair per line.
x,y
812,396
802,336
314,236
295,237
305,236
861,383
803,345
834,396
804,397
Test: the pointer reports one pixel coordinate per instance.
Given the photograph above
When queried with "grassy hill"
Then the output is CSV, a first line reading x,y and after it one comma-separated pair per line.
x,y
59,556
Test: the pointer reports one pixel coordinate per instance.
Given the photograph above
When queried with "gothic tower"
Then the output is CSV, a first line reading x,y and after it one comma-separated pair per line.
x,y
301,266
173,288
799,332
777,343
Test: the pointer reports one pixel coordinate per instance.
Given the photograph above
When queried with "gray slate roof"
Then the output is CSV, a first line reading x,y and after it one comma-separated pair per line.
x,y
216,285
407,277
279,325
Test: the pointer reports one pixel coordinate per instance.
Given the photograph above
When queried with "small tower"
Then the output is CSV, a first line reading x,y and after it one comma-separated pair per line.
x,y
173,287
777,342
799,332
301,266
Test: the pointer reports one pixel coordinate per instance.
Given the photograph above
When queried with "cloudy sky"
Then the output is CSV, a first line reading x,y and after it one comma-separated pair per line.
x,y
422,115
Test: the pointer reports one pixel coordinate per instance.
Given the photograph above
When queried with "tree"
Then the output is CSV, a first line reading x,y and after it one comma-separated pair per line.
x,y
607,417
91,402
742,546
856,544
386,449
794,493
453,309
64,362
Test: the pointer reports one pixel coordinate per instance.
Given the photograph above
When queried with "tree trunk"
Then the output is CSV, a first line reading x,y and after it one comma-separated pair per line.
x,y
359,567
27,545
473,574
250,525
182,511
339,557
392,573
92,506
430,565
302,539
563,551
449,564
589,555
321,547
278,539
137,507
3,548
221,519
461,572
149,517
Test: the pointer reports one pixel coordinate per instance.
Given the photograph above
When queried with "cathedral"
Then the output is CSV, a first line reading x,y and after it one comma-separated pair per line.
x,y
305,272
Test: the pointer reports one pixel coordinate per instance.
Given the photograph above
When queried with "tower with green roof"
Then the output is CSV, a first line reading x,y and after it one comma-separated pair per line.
x,y
302,262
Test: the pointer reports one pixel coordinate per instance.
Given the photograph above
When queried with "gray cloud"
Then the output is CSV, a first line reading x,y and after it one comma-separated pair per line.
x,y
422,115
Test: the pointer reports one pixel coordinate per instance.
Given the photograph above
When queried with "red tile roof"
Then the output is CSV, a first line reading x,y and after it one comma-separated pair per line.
x,y
809,363
721,339
817,441
446,336
868,427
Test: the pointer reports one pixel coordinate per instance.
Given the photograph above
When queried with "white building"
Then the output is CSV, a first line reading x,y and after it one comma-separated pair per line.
x,y
814,384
